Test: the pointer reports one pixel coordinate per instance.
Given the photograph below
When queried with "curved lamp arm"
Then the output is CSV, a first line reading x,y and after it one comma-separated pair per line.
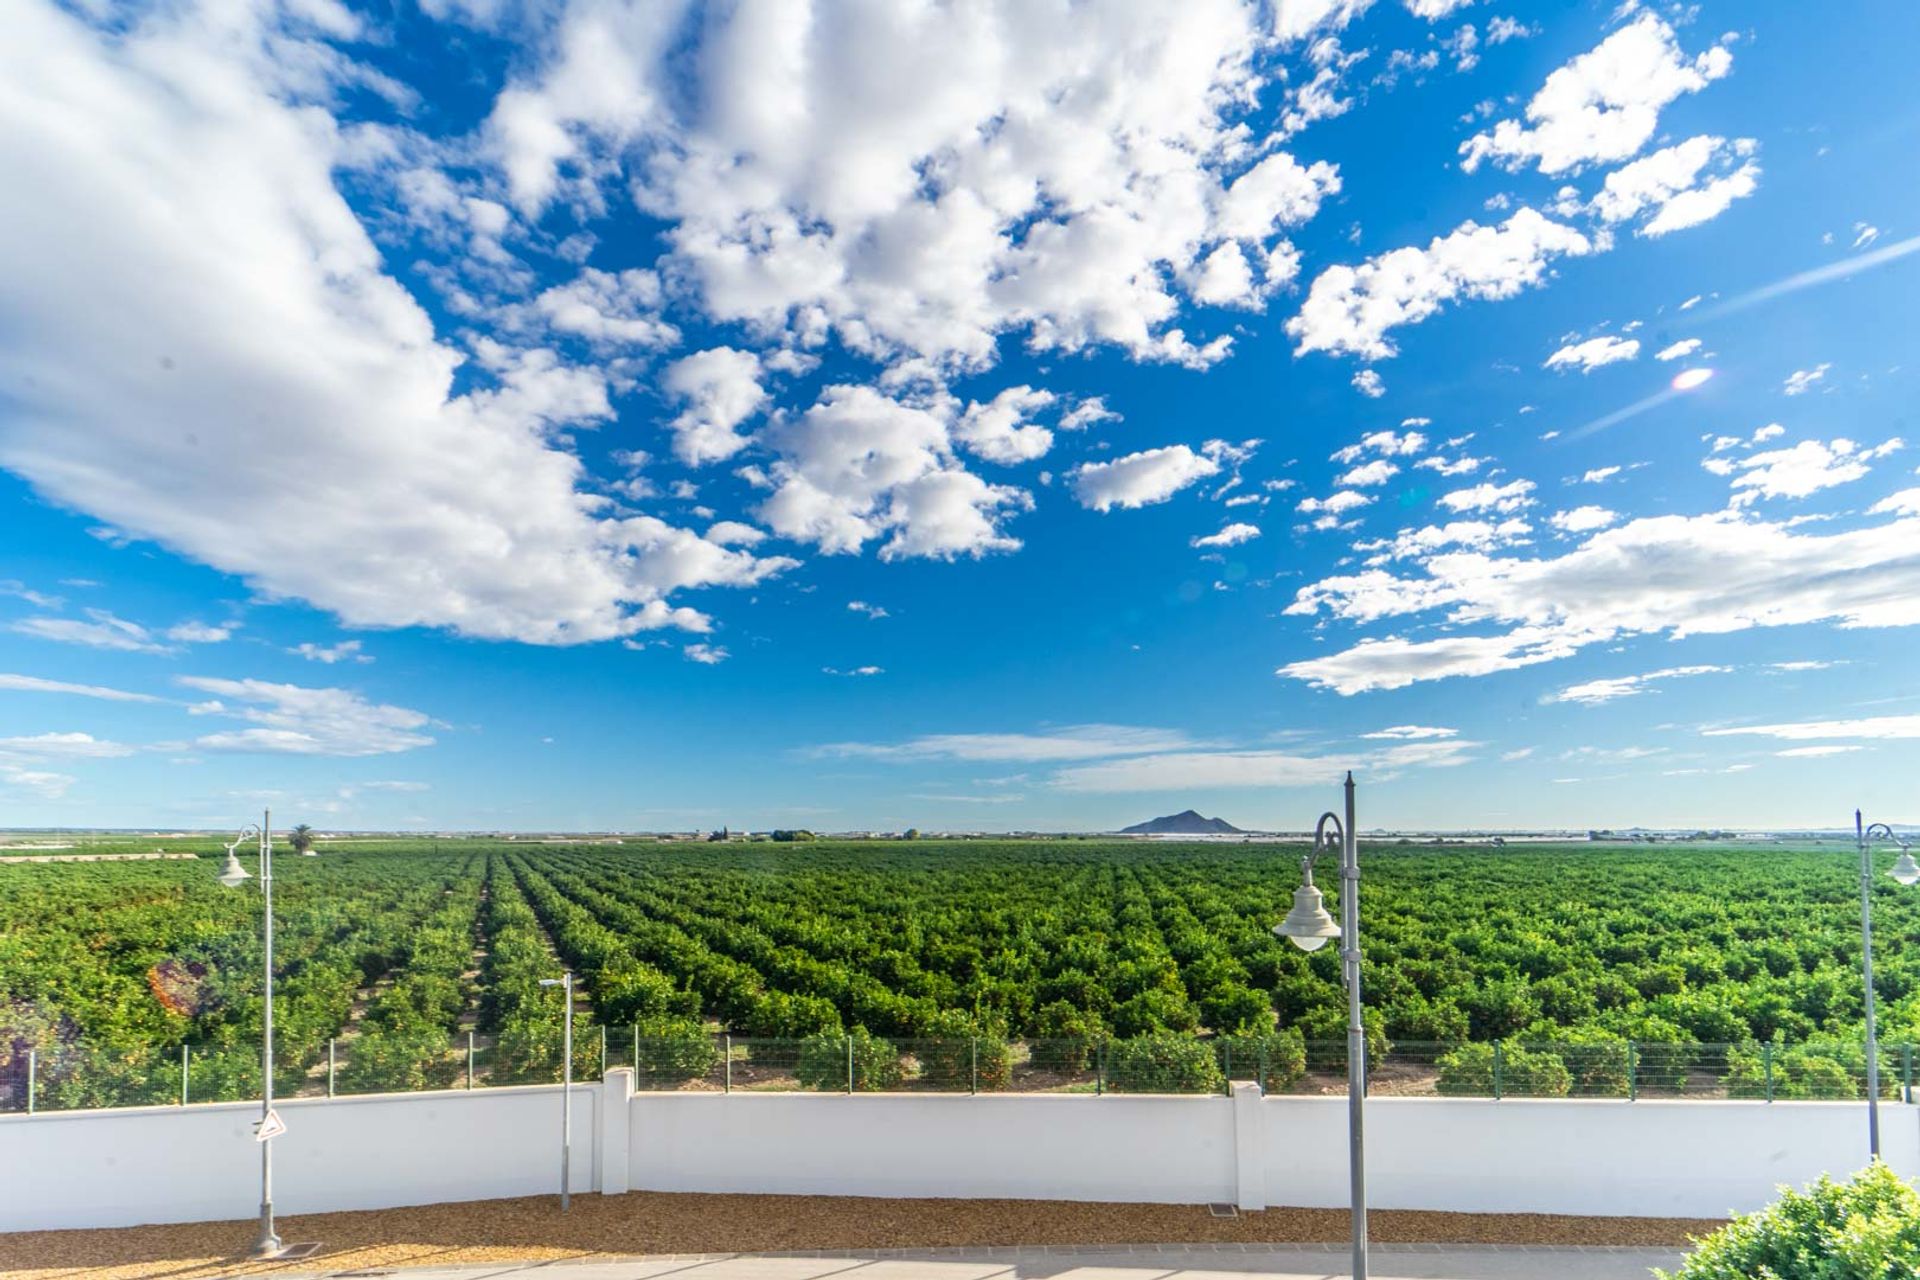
x,y
1323,841
233,875
1906,870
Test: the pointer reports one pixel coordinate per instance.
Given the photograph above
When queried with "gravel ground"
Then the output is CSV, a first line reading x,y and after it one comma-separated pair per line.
x,y
643,1222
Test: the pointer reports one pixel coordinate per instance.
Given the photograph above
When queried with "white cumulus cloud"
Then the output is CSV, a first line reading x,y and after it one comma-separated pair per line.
x,y
1230,536
1677,575
297,720
188,269
1351,309
1604,105
1140,479
1800,381
1594,353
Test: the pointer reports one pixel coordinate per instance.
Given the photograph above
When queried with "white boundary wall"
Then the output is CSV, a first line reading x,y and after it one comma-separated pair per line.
x,y
1646,1158
137,1165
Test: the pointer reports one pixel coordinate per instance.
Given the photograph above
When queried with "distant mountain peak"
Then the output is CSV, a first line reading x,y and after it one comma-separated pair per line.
x,y
1186,823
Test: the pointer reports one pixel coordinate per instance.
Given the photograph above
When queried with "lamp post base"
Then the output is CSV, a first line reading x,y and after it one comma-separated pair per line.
x,y
268,1243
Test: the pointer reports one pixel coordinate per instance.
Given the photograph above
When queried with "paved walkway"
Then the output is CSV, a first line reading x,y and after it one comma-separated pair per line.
x,y
1141,1262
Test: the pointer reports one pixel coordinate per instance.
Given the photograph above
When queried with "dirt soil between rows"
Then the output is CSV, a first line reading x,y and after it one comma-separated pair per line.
x,y
532,1228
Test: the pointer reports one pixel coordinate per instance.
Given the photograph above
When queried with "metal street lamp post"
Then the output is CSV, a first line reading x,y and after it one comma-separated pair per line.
x,y
565,983
1906,871
233,875
1309,927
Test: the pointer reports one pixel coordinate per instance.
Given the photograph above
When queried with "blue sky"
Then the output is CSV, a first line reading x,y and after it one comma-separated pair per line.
x,y
600,415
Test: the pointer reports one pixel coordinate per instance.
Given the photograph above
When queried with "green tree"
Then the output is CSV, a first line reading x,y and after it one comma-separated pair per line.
x,y
301,838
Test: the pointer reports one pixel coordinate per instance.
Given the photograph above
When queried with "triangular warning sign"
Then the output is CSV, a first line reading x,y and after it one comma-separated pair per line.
x,y
271,1127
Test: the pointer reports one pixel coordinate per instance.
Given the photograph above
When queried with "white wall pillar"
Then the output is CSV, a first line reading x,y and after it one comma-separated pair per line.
x,y
1249,1146
615,1131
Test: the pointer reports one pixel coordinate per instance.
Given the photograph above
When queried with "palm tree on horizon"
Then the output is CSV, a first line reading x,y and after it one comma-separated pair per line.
x,y
301,838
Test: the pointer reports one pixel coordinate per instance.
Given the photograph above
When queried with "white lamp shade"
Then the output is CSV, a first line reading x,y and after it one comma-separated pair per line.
x,y
233,875
1308,926
1906,870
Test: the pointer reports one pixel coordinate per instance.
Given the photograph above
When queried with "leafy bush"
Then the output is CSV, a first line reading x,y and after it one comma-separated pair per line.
x,y
1063,1038
1599,1066
1328,1025
965,1062
1163,1063
1274,1061
1821,1072
1468,1072
779,1016
1154,1011
1234,1010
674,1050
382,1061
1867,1228
823,1062
629,993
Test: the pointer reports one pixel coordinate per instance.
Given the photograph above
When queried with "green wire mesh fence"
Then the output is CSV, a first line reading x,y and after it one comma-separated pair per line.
x,y
77,1074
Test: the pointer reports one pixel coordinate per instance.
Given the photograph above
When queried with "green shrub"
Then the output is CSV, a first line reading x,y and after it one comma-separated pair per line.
x,y
1597,1062
1154,1011
674,1050
965,1062
382,1061
629,993
1865,1229
1327,1024
779,1015
1163,1063
1802,1072
1468,1072
1063,1038
1274,1061
1234,1010
823,1062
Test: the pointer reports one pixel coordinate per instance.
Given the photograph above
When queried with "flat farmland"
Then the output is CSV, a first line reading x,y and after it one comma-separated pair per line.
x,y
1596,968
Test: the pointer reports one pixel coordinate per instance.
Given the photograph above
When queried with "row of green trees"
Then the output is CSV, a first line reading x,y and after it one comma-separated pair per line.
x,y
114,975
405,1040
1661,946
1048,944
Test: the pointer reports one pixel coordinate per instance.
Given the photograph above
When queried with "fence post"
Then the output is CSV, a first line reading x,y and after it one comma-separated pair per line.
x,y
183,1075
973,1077
1262,1080
33,1071
728,1086
1906,1070
469,1060
635,1064
329,1066
1498,1062
1766,1056
849,1064
1633,1074
603,1048
1226,1052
